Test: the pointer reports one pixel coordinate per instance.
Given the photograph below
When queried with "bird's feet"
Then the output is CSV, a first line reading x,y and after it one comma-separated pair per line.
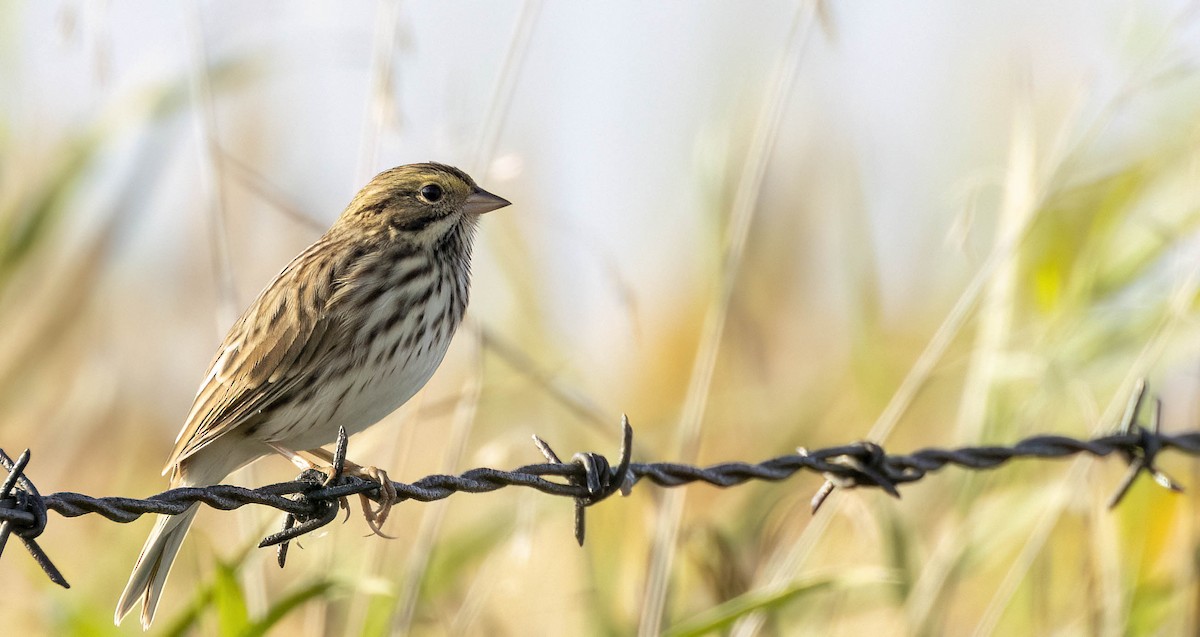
x,y
375,513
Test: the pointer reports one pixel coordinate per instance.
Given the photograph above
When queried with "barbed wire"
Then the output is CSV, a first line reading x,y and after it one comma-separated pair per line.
x,y
314,499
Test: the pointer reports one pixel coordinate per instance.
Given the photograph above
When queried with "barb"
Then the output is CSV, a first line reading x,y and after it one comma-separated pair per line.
x,y
1141,459
313,500
323,510
598,480
29,514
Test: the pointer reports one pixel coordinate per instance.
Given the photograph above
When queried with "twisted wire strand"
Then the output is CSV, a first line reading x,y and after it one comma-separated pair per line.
x,y
312,500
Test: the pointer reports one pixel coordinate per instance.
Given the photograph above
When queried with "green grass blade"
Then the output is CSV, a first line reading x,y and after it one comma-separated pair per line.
x,y
723,615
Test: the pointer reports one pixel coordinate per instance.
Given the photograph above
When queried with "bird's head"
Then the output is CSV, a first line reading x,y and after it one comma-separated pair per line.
x,y
419,202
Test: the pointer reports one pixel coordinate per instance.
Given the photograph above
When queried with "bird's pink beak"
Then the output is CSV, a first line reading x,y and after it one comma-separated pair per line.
x,y
482,201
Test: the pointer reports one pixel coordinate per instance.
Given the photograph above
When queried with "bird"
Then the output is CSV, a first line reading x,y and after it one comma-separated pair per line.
x,y
345,334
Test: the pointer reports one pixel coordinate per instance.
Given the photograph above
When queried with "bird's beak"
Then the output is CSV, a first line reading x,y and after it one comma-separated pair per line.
x,y
482,201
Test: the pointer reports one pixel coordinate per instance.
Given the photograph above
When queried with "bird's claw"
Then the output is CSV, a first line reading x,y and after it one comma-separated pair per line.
x,y
378,514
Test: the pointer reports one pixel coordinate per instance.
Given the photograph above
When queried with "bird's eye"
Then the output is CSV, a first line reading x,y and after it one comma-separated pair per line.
x,y
432,193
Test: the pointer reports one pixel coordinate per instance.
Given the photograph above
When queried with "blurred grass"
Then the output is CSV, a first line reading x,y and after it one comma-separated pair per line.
x,y
1104,288
723,615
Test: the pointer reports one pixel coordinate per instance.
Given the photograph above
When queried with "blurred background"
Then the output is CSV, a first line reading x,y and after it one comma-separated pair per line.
x,y
749,226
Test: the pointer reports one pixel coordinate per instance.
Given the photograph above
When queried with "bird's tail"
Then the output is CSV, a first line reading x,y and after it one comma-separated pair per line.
x,y
153,566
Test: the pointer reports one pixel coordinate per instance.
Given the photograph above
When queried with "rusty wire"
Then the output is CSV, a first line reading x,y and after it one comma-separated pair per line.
x,y
313,500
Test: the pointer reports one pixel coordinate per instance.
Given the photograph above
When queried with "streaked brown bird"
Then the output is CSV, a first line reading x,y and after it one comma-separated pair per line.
x,y
344,335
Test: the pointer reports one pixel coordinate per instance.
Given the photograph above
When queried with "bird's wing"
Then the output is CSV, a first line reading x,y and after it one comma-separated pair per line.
x,y
258,364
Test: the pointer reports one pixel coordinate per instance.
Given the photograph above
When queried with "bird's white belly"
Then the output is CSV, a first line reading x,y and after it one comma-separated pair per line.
x,y
392,385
